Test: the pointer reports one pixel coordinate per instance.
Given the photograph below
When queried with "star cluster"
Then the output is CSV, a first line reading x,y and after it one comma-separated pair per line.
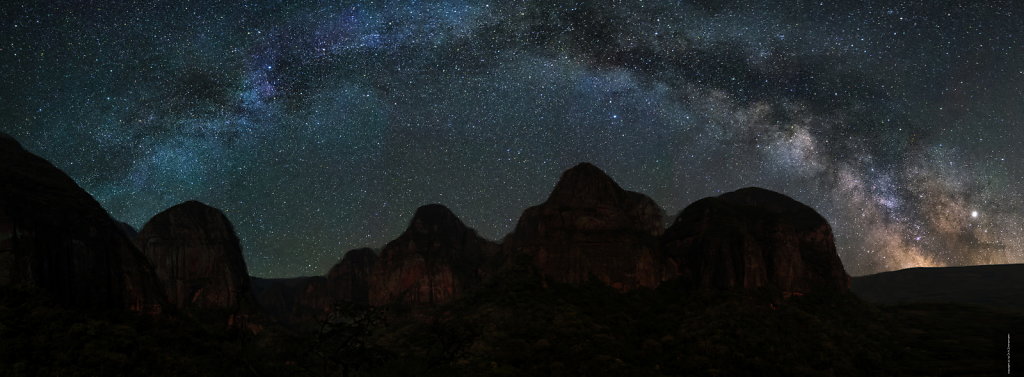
x,y
319,126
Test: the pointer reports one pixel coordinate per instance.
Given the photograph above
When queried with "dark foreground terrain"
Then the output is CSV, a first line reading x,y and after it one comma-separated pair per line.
x,y
993,286
521,328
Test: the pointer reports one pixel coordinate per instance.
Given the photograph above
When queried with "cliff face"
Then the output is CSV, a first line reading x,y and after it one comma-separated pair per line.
x,y
197,257
349,280
754,238
55,236
589,227
434,261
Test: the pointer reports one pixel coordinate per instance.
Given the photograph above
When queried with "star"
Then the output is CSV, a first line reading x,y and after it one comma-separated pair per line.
x,y
320,126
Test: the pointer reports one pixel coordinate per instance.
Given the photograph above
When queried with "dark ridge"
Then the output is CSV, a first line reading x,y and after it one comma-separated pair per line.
x,y
433,219
360,256
127,229
10,141
585,171
752,238
997,286
200,217
197,256
764,200
585,182
192,206
63,241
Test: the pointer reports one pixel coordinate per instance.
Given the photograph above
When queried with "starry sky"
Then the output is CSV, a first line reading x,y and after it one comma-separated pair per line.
x,y
320,126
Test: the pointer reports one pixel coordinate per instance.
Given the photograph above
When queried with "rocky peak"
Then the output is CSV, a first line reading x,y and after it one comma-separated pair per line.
x,y
434,261
358,258
193,219
9,142
585,184
776,203
590,227
435,219
55,236
349,279
127,229
197,257
753,238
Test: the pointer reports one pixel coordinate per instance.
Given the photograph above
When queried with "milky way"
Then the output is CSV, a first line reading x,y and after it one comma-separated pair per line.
x,y
319,127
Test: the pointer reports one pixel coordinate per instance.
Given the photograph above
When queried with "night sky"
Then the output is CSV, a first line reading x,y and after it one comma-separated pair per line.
x,y
320,127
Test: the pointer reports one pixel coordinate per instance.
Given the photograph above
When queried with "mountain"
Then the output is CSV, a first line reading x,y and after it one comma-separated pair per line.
x,y
481,307
128,230
198,259
992,286
349,279
436,260
591,228
56,237
753,238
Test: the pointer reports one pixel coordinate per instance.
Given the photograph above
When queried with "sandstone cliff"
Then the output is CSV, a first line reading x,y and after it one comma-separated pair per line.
x,y
590,228
754,238
198,259
434,261
55,236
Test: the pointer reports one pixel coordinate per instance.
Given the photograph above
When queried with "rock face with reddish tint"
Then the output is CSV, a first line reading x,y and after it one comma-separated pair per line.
x,y
590,228
434,261
349,280
55,236
753,238
197,257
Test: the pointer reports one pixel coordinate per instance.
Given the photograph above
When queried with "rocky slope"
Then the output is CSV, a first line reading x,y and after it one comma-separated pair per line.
x,y
198,259
753,238
349,279
589,227
55,236
434,261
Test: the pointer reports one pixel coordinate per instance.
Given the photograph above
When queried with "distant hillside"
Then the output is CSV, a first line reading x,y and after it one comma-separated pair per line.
x,y
992,285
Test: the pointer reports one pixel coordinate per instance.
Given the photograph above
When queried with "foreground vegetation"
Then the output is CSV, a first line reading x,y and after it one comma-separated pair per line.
x,y
521,329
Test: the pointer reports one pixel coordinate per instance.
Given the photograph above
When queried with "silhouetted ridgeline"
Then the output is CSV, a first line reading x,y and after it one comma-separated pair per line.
x,y
55,237
591,230
999,286
588,283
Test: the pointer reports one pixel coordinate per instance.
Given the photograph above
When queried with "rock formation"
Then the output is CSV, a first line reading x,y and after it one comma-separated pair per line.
x,y
349,280
754,238
128,230
590,228
55,236
198,259
434,261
